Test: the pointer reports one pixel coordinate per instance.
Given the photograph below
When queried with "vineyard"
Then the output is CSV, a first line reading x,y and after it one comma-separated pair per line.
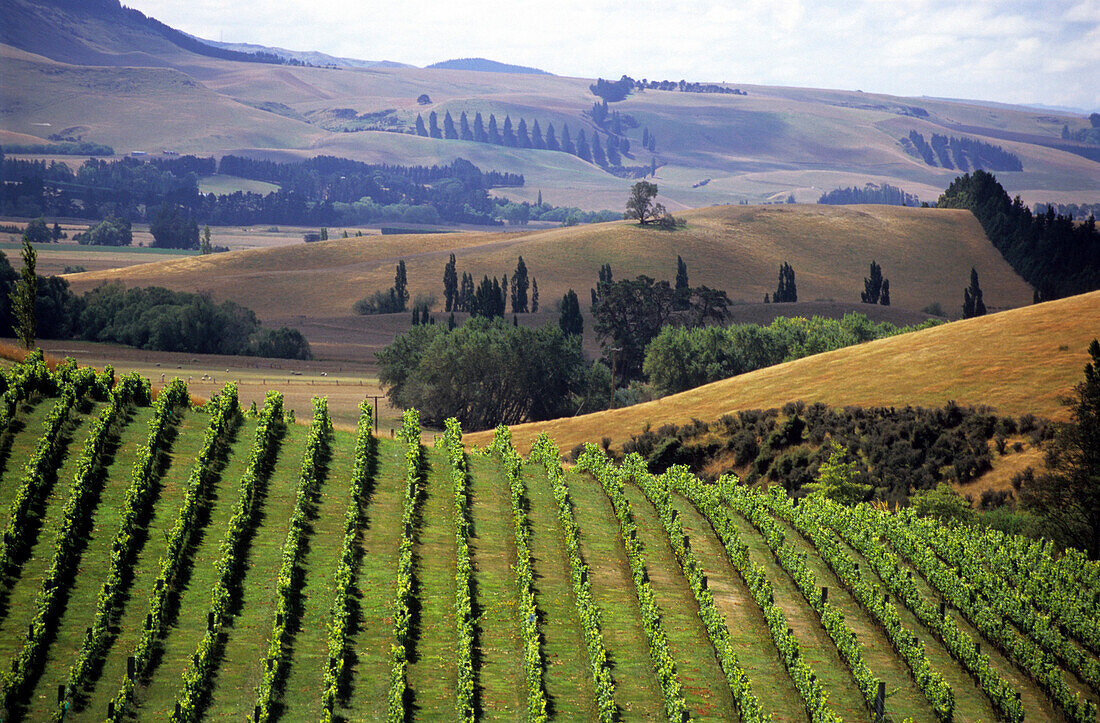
x,y
165,561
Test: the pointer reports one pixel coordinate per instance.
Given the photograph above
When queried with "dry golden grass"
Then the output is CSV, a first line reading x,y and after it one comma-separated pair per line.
x,y
1019,361
926,253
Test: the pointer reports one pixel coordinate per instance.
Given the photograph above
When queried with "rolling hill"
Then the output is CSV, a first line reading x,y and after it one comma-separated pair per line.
x,y
1020,361
927,255
710,148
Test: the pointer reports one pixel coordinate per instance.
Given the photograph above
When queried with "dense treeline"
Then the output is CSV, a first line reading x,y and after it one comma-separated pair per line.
x,y
1076,210
681,358
613,91
320,191
607,153
962,153
898,451
1055,254
870,193
150,318
67,148
157,318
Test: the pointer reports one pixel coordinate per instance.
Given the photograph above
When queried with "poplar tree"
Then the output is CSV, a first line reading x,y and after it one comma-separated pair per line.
x,y
464,128
973,305
520,285
536,136
508,136
433,125
551,139
494,134
450,284
420,129
23,296
522,139
449,126
401,286
479,129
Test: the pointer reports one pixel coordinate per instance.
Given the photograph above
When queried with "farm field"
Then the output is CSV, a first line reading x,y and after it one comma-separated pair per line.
x,y
509,586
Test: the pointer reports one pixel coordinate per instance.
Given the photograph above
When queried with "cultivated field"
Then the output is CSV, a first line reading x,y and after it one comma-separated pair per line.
x,y
292,573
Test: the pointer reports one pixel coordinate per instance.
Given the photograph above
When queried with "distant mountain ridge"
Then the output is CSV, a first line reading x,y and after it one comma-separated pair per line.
x,y
485,65
309,57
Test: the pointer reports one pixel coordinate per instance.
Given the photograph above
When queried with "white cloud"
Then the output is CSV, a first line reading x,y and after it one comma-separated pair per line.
x,y
1045,51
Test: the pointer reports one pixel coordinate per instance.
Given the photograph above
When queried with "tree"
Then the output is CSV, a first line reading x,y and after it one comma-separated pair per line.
x,y
450,285
23,297
479,129
566,141
872,285
494,134
583,151
522,136
943,503
640,205
424,99
598,156
520,284
786,291
324,233
464,131
884,297
683,288
551,139
401,285
570,319
433,125
534,295
536,137
507,135
629,314
111,231
172,230
37,232
972,298
205,246
55,233
1067,496
421,130
449,130
838,480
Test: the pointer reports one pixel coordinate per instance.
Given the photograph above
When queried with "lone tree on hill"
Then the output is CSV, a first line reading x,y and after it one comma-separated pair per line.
x,y
23,296
640,205
972,298
874,286
1068,495
786,291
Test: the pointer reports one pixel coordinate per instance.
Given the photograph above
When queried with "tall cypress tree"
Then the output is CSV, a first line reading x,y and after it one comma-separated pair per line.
x,y
479,129
884,297
433,125
566,141
683,288
534,295
401,285
570,320
450,284
23,296
872,285
522,139
420,129
536,136
494,134
551,139
785,292
598,156
520,285
449,126
973,304
582,147
507,135
464,131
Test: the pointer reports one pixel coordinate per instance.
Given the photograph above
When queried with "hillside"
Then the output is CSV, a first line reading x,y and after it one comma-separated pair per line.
x,y
926,254
256,568
710,148
1020,361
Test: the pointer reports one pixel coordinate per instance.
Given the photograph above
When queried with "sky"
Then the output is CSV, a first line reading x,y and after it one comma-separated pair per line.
x,y
1011,51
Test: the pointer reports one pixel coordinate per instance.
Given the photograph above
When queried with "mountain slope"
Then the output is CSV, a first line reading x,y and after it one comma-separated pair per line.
x,y
1020,361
